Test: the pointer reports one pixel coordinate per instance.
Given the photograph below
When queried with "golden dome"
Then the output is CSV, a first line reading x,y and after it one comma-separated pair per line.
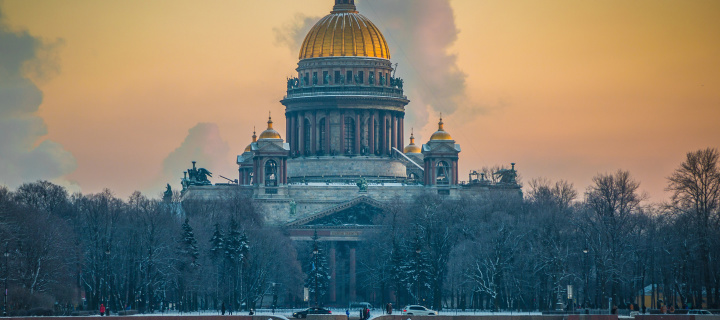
x,y
412,148
344,32
441,134
248,148
270,133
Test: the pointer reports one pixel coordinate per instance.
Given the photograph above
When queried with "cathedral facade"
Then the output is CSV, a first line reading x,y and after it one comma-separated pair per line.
x,y
344,158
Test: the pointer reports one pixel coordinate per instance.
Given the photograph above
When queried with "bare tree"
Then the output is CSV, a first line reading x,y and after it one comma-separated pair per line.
x,y
696,193
613,202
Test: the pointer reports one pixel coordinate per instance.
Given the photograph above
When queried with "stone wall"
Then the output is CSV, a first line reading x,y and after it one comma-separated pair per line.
x,y
472,317
367,166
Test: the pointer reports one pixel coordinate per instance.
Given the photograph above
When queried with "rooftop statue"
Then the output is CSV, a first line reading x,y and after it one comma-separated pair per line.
x,y
507,176
167,195
197,177
362,184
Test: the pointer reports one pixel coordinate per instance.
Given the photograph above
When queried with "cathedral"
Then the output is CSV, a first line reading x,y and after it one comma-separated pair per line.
x,y
344,158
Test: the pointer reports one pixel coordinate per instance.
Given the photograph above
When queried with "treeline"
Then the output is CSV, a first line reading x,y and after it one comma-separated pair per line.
x,y
77,251
492,253
507,253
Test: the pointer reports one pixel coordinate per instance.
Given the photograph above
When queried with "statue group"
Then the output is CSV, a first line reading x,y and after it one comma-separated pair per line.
x,y
196,177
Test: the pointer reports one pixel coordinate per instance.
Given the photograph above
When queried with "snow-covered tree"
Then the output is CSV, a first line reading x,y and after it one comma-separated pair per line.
x,y
318,276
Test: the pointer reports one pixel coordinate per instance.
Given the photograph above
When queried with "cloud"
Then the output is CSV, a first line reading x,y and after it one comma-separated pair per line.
x,y
204,145
25,155
292,34
419,33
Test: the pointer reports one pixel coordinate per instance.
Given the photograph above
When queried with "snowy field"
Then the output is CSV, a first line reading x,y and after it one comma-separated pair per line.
x,y
353,313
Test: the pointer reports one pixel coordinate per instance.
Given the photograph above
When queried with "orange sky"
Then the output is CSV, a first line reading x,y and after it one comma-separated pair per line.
x,y
566,89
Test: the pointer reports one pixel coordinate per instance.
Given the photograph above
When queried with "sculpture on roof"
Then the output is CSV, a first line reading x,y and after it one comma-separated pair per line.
x,y
362,184
196,177
507,176
167,195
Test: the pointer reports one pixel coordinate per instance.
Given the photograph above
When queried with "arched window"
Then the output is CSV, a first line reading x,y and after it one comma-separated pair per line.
x,y
412,177
307,138
349,135
443,173
321,132
271,177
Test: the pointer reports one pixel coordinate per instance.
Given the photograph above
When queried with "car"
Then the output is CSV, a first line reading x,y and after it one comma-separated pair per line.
x,y
698,312
313,310
418,310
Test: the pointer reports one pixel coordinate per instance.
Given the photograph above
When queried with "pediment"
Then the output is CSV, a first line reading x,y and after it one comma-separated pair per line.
x,y
270,147
360,211
442,148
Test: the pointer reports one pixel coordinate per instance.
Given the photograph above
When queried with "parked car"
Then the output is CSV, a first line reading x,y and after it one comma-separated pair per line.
x,y
698,312
313,310
419,310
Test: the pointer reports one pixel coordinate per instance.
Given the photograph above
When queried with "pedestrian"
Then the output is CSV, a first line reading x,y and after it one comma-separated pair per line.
x,y
389,308
222,308
102,309
230,309
347,313
367,313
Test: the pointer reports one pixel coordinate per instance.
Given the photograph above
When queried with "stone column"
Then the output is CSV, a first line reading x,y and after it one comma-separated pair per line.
x,y
455,172
259,172
352,275
357,132
401,132
327,132
393,133
342,132
371,132
314,132
288,138
383,134
301,133
333,282
433,174
291,132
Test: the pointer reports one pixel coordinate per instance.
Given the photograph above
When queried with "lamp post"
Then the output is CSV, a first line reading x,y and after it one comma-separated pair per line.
x,y
107,279
587,272
315,266
7,274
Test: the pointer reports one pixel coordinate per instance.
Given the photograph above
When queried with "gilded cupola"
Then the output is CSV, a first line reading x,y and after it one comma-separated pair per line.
x,y
412,148
344,32
254,139
441,134
269,133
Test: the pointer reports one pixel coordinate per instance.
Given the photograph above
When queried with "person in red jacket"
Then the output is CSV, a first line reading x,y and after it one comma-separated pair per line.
x,y
102,309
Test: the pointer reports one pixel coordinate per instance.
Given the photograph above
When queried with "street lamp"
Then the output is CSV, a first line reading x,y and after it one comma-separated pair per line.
x,y
315,266
587,272
107,278
7,274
